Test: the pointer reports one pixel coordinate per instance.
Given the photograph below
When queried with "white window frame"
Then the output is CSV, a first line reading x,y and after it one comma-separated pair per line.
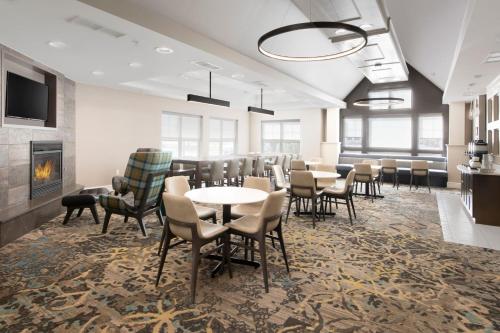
x,y
221,139
430,115
179,138
281,141
405,117
344,127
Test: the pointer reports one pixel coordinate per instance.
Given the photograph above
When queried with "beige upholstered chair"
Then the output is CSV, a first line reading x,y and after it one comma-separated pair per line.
x,y
419,169
268,167
246,168
287,164
259,183
279,177
215,174
364,175
280,161
179,185
255,227
303,187
258,169
298,165
326,182
183,222
390,168
344,193
233,172
375,171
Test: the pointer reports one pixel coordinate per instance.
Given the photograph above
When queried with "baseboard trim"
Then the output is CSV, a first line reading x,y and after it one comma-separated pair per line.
x,y
453,185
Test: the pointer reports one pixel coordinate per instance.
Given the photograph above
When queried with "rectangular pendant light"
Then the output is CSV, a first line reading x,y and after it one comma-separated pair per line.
x,y
208,100
260,110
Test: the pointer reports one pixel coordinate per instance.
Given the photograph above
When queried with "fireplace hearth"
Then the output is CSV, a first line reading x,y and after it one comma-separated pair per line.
x,y
46,167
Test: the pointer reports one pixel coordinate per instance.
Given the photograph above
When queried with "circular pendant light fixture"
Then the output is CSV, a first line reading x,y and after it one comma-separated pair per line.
x,y
378,101
347,28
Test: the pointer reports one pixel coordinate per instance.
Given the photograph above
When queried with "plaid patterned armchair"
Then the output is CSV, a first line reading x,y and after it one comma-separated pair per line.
x,y
138,192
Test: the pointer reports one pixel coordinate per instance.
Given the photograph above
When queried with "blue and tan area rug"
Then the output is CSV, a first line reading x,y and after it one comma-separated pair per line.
x,y
389,272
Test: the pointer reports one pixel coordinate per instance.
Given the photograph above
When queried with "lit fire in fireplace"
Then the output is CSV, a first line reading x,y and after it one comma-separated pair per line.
x,y
43,171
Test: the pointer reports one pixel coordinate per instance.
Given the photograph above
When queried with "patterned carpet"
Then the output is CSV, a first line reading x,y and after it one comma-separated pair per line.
x,y
390,272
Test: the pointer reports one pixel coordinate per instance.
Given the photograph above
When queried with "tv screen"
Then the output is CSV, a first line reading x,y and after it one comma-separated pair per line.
x,y
26,98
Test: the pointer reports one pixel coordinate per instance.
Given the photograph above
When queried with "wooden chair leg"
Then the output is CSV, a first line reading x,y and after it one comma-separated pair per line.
x,y
429,183
226,252
352,205
272,239
349,209
263,259
107,217
125,220
313,209
80,211
411,180
93,210
160,217
141,225
289,206
282,245
194,270
69,212
165,244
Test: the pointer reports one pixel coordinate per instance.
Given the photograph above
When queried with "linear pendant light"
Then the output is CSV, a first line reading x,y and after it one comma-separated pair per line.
x,y
260,110
208,100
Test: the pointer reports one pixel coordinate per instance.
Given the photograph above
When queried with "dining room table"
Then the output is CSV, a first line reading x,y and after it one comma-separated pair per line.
x,y
227,196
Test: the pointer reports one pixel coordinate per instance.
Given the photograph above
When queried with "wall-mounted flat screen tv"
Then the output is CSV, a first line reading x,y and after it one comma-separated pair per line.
x,y
26,98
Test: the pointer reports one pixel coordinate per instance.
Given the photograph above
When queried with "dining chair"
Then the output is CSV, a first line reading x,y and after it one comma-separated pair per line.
x,y
298,165
322,183
233,172
258,169
215,174
183,222
256,227
375,172
344,193
287,164
179,185
279,178
364,175
419,169
259,183
246,168
280,161
303,187
268,165
390,168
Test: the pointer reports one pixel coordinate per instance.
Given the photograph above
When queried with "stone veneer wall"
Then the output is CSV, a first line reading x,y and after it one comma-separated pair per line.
x,y
15,144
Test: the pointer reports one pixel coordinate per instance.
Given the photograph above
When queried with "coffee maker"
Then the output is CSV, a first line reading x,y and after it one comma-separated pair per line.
x,y
477,148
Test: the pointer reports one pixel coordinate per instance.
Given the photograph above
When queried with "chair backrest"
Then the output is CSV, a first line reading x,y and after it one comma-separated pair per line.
x,y
326,167
259,166
139,167
419,168
371,162
233,168
271,209
180,208
349,180
299,156
247,167
302,183
177,185
287,162
298,165
363,172
217,170
388,163
259,183
279,176
280,160
317,159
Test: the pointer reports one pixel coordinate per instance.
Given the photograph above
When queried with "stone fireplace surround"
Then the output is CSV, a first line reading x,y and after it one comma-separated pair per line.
x,y
15,154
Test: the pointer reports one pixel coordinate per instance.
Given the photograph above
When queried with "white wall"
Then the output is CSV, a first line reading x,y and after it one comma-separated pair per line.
x,y
456,146
310,124
111,124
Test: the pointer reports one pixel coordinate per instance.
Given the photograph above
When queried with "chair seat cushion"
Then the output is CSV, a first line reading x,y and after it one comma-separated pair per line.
x,y
246,209
334,191
210,230
96,192
204,212
78,200
248,224
118,202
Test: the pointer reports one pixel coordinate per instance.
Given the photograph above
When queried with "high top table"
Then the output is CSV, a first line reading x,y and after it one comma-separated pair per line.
x,y
227,196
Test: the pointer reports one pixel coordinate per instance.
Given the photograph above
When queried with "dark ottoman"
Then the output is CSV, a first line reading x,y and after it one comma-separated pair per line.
x,y
86,199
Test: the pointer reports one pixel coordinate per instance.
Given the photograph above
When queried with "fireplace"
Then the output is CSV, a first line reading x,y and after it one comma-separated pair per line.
x,y
46,167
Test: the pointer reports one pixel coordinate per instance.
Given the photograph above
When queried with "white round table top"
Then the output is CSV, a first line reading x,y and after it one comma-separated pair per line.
x,y
312,162
325,174
226,195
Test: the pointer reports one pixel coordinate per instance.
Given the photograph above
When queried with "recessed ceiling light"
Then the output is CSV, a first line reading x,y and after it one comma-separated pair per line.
x,y
340,31
366,26
57,44
238,76
97,73
135,64
164,50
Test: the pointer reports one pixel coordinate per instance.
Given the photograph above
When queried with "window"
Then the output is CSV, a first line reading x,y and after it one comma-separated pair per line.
x,y
430,132
399,93
353,132
223,137
281,136
181,134
390,132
